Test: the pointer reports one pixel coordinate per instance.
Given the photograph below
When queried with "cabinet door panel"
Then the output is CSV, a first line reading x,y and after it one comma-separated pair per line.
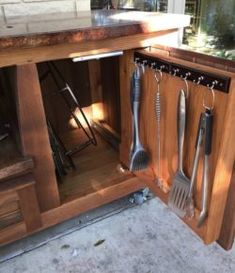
x,y
222,157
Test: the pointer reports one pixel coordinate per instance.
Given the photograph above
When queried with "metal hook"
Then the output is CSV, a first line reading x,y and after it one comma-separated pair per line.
x,y
176,70
139,66
215,82
136,63
199,80
159,72
186,83
144,62
152,65
211,88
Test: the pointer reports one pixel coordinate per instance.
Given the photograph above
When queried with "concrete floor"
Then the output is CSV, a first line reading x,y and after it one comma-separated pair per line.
x,y
142,239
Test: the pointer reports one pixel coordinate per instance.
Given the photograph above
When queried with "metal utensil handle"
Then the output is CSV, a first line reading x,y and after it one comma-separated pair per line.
x,y
205,191
158,117
208,137
132,91
181,127
131,104
205,183
136,103
137,86
198,144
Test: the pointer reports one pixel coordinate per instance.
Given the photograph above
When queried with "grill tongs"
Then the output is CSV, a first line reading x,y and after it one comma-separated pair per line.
x,y
204,136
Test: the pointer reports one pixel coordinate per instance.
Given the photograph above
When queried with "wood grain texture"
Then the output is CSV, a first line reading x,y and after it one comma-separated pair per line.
x,y
10,200
92,200
7,88
20,189
96,170
34,135
74,208
9,210
126,69
12,185
29,208
227,234
22,56
169,90
96,90
10,218
223,170
9,154
111,97
77,77
15,168
12,233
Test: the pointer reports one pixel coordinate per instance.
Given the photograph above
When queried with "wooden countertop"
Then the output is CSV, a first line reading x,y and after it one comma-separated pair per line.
x,y
68,28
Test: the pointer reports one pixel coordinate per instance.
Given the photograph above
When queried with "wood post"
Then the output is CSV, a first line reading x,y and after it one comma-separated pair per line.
x,y
34,135
29,208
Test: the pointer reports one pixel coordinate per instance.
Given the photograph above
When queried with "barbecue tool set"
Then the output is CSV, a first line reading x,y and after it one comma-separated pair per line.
x,y
181,197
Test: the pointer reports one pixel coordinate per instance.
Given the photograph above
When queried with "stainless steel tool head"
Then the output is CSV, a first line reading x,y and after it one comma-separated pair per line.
x,y
139,159
181,184
179,193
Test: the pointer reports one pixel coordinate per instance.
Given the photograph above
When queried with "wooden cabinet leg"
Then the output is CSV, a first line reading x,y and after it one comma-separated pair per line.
x,y
29,208
34,135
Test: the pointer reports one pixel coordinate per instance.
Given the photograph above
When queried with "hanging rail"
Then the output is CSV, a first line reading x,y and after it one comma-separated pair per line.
x,y
220,83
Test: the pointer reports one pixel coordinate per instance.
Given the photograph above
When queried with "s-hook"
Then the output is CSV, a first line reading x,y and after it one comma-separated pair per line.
x,y
212,92
139,67
186,83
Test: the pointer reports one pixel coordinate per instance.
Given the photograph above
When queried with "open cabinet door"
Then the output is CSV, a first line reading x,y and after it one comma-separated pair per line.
x,y
223,150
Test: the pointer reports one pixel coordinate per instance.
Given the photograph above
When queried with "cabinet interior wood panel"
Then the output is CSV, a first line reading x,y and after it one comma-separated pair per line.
x,y
9,210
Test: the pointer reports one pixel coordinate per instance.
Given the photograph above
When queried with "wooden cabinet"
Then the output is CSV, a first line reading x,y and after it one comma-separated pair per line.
x,y
42,202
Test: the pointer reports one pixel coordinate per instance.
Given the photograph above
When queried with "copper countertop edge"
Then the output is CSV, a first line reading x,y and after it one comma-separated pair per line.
x,y
78,35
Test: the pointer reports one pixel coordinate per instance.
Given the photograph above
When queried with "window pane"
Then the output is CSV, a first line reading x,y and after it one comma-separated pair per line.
x,y
212,27
147,5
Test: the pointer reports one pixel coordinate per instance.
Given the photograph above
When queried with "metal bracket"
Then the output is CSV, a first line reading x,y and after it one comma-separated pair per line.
x,y
198,77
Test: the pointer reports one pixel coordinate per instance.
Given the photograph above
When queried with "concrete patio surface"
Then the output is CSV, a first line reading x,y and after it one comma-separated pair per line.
x,y
141,239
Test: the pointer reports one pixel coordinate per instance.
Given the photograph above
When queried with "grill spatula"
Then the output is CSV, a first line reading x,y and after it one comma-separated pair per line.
x,y
180,186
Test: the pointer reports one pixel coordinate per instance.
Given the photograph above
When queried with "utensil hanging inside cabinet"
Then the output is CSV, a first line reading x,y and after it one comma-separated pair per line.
x,y
222,83
204,136
180,184
157,106
139,157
